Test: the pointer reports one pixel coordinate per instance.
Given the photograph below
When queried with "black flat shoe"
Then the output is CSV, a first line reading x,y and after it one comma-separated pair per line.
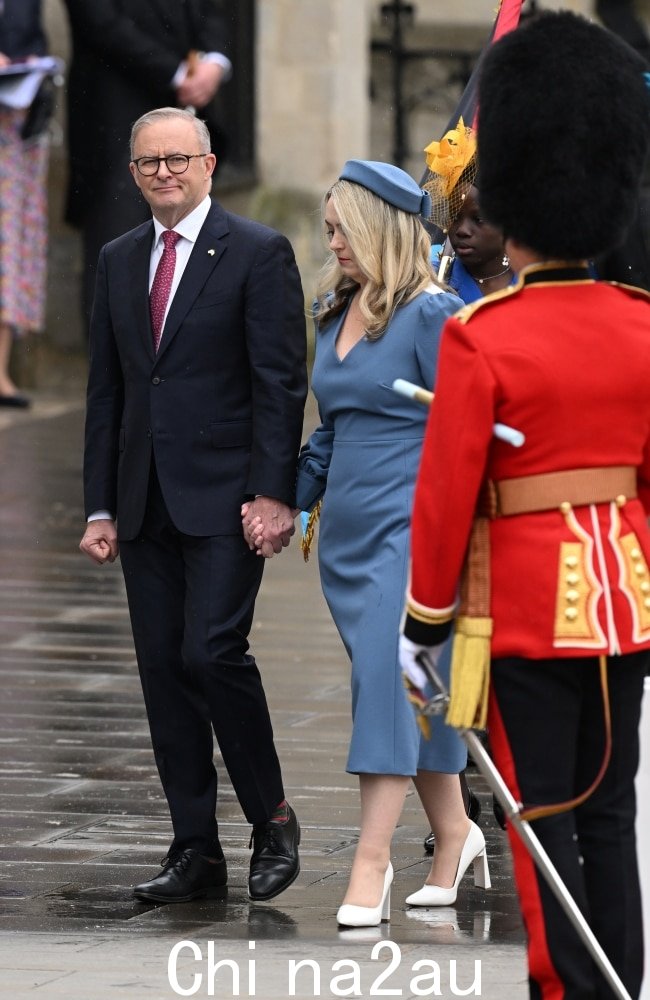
x,y
275,863
187,875
473,813
16,399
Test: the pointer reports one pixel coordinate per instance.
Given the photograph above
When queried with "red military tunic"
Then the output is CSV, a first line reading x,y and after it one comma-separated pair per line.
x,y
565,360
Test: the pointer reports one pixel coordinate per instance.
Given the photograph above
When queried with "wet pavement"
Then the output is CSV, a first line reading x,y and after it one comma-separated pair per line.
x,y
82,817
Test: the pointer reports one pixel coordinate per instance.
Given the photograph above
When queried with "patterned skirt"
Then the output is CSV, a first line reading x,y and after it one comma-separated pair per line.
x,y
23,225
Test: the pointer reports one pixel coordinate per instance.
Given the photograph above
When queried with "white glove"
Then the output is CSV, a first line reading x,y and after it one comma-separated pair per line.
x,y
408,653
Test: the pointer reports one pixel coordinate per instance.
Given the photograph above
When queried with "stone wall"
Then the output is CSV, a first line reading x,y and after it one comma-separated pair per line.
x,y
312,89
477,12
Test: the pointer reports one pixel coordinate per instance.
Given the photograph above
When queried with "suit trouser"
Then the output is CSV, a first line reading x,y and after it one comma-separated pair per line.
x,y
191,601
548,739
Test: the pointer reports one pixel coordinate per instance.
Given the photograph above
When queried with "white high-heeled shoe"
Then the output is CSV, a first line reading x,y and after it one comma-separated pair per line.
x,y
350,915
473,852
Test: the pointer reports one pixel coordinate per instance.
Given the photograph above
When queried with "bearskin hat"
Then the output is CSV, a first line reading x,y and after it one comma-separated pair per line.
x,y
563,130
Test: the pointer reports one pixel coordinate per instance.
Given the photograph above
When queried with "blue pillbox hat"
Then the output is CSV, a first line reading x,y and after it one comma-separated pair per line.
x,y
391,183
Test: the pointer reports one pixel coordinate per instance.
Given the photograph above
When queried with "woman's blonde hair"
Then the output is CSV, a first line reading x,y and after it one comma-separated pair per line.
x,y
390,246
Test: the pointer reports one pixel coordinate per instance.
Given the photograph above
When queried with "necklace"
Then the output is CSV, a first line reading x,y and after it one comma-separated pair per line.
x,y
490,277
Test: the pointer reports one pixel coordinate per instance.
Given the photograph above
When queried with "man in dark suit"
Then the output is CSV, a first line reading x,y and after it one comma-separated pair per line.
x,y
176,439
129,56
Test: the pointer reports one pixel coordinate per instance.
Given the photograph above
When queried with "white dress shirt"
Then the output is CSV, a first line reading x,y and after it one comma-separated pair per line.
x,y
214,57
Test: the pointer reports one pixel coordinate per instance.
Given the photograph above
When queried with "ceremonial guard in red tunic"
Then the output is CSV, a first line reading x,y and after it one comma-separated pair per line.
x,y
539,555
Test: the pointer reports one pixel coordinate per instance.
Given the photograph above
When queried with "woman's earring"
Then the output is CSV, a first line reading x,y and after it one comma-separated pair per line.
x,y
505,260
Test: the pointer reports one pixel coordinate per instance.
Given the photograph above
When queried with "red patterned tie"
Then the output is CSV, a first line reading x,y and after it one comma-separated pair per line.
x,y
162,284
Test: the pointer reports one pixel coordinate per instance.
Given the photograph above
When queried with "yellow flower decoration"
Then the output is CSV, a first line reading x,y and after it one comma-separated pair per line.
x,y
449,157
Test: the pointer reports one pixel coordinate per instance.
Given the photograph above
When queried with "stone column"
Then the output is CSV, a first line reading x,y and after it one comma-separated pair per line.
x,y
312,106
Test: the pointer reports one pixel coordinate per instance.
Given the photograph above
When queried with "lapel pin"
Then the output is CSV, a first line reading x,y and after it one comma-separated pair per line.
x,y
212,252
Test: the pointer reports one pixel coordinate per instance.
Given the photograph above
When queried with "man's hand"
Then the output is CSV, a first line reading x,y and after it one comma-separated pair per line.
x,y
267,525
100,541
200,84
408,658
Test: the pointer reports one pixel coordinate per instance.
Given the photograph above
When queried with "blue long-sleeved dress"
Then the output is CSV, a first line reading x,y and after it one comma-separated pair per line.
x,y
363,460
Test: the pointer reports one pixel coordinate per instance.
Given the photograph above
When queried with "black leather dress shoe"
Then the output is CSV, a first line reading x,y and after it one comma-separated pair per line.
x,y
186,875
16,399
275,863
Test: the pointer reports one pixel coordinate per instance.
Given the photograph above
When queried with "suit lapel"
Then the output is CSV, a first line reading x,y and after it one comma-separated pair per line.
x,y
139,262
206,254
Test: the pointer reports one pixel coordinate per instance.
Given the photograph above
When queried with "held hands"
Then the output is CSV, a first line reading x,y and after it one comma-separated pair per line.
x,y
100,541
409,654
200,84
267,525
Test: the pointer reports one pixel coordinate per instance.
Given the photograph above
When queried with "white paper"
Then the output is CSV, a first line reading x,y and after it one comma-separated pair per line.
x,y
43,64
19,82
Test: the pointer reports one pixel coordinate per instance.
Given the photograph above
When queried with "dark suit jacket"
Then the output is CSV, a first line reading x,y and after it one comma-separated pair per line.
x,y
124,56
221,404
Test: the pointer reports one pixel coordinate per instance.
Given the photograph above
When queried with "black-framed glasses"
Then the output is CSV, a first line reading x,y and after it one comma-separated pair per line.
x,y
177,163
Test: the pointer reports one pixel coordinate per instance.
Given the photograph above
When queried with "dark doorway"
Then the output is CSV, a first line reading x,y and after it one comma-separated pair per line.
x,y
237,100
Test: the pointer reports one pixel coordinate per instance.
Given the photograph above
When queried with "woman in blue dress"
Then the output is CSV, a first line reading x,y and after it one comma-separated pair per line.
x,y
379,316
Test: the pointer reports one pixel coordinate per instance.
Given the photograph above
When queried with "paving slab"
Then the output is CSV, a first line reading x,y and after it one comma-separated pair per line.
x,y
82,816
